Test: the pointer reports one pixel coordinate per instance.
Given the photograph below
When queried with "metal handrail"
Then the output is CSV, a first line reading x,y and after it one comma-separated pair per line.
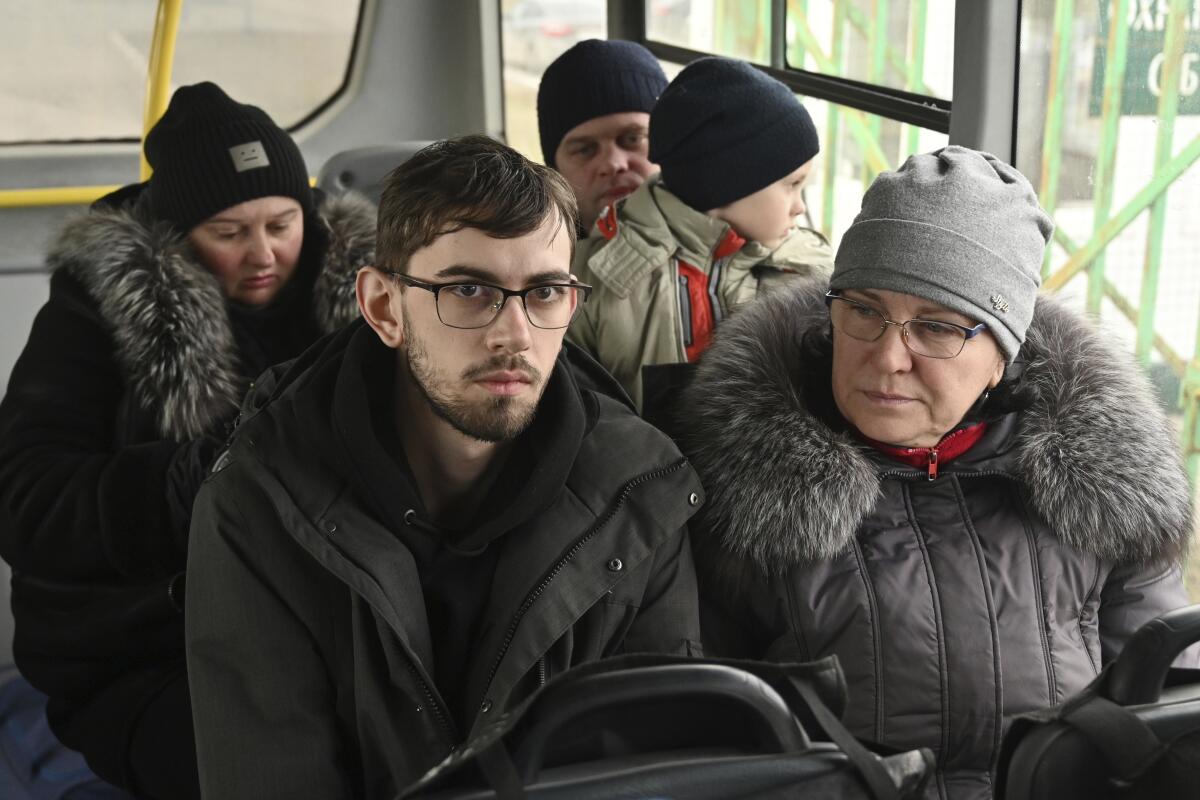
x,y
162,62
53,196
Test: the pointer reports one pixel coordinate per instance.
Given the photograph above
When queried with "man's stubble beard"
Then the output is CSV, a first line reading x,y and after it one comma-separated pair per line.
x,y
497,419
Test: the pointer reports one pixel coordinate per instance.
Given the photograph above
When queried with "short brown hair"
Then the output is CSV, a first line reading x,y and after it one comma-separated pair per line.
x,y
467,182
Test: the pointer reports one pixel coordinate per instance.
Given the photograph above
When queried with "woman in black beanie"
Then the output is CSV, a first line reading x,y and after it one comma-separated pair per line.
x,y
166,300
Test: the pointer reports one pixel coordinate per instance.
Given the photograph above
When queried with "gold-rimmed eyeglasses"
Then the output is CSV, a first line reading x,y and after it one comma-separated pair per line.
x,y
925,337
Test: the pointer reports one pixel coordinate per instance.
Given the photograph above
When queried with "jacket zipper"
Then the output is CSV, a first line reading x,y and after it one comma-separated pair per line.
x,y
932,454
911,474
532,597
685,307
932,473
431,700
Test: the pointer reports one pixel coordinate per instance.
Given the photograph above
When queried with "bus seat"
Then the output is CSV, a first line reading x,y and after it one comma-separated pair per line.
x,y
34,765
364,168
1134,732
646,725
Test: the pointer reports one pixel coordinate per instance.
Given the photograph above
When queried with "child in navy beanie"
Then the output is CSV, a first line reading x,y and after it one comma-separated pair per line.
x,y
723,130
714,230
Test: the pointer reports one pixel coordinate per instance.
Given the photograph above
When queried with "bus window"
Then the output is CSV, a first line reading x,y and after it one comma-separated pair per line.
x,y
855,147
912,48
734,29
822,37
1109,132
286,57
534,33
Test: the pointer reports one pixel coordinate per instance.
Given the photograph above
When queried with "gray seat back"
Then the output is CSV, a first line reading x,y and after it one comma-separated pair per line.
x,y
363,169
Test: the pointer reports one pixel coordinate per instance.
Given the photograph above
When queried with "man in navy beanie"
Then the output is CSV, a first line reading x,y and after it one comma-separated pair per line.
x,y
593,109
715,230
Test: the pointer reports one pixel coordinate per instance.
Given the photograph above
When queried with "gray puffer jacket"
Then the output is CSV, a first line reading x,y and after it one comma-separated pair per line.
x,y
1001,586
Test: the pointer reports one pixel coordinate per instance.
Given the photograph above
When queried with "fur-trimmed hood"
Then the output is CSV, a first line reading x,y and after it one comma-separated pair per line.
x,y
1094,455
168,317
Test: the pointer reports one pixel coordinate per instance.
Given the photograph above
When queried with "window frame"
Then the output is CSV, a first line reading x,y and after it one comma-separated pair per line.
x,y
981,114
343,87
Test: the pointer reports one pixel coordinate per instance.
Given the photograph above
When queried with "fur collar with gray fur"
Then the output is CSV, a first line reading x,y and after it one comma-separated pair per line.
x,y
1096,458
168,316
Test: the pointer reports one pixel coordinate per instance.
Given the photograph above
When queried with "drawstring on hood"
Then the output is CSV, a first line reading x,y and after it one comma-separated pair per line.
x,y
446,538
372,454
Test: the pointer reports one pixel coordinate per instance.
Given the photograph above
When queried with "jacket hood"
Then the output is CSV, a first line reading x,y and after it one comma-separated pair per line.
x,y
652,226
530,480
340,392
1093,454
169,319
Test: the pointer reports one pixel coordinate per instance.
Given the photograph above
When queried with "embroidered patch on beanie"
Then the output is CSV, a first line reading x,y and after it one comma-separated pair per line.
x,y
251,155
209,152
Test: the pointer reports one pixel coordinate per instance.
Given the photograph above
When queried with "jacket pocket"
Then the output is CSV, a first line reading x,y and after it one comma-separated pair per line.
x,y
618,618
1088,623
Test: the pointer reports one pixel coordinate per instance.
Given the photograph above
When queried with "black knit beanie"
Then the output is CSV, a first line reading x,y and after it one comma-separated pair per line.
x,y
722,130
209,152
593,78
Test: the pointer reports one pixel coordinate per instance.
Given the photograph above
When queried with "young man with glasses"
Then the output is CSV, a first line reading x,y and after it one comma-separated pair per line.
x,y
427,515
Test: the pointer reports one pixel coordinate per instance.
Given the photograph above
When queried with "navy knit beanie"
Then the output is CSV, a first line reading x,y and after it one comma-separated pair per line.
x,y
210,152
593,78
722,130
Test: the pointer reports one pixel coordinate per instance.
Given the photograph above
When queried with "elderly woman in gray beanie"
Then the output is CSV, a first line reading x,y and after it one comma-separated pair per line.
x,y
964,491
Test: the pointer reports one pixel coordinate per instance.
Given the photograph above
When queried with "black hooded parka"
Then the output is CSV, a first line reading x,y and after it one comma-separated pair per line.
x,y
114,411
319,667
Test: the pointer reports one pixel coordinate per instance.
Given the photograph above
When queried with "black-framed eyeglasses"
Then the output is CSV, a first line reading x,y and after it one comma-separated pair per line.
x,y
473,304
925,337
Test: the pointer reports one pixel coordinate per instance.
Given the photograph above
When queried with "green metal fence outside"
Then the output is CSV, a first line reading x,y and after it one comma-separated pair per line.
x,y
1169,166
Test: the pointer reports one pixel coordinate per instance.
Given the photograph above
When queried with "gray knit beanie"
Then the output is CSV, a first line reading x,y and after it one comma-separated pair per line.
x,y
955,226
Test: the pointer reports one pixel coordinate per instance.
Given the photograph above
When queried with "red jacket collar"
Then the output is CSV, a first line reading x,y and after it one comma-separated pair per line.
x,y
730,243
952,445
